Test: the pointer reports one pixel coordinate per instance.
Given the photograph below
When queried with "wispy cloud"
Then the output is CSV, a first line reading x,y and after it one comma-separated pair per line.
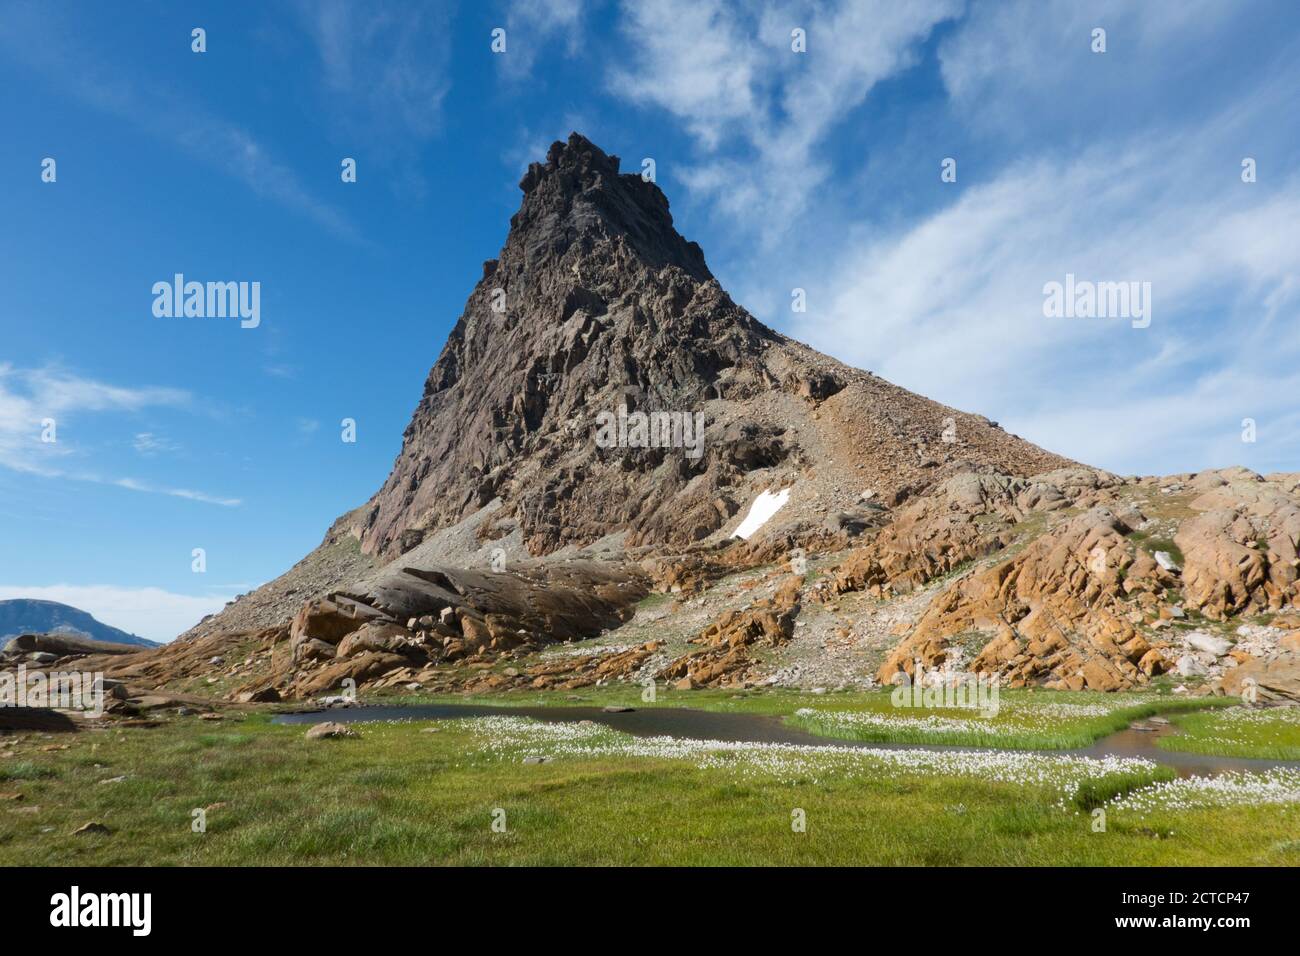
x,y
758,109
45,38
942,291
952,306
38,405
950,303
149,445
131,484
385,74
533,25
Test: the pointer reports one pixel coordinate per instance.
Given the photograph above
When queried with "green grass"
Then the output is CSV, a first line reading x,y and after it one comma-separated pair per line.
x,y
1023,722
1095,793
1151,545
24,770
399,796
1272,734
1028,720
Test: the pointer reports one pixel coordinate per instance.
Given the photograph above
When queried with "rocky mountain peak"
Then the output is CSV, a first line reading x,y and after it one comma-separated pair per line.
x,y
579,196
597,303
596,307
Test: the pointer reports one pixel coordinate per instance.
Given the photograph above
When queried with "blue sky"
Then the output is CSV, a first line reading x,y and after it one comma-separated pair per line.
x,y
817,170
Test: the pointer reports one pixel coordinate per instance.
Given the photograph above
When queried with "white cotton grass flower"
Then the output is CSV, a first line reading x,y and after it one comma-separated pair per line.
x,y
1280,785
508,737
1011,719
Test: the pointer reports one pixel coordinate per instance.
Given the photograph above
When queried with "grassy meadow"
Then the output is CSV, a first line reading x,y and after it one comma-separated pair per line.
x,y
460,792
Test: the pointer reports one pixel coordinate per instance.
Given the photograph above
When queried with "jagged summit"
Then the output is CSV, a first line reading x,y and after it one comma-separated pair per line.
x,y
578,195
596,303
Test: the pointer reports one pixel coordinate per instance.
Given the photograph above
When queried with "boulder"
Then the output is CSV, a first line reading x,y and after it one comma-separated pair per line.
x,y
1208,643
1166,561
330,620
65,645
381,636
314,650
366,666
330,730
1277,680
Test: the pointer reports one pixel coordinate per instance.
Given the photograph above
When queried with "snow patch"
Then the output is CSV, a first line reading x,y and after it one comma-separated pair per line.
x,y
764,506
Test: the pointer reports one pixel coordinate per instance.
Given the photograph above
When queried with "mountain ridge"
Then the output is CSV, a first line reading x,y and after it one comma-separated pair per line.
x,y
33,616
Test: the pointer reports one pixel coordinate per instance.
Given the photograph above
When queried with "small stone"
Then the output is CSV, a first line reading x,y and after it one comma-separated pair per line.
x,y
330,730
1166,561
1207,643
536,760
92,827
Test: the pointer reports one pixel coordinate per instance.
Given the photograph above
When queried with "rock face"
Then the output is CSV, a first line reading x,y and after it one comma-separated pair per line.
x,y
595,303
1240,551
61,645
1085,604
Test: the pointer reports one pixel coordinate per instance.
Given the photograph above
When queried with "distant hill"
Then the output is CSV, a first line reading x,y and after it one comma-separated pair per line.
x,y
24,616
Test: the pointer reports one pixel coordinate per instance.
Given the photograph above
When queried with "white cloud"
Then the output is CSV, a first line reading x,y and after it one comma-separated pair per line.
x,y
531,25
1014,63
761,109
147,612
948,301
951,305
148,444
130,484
384,63
31,397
